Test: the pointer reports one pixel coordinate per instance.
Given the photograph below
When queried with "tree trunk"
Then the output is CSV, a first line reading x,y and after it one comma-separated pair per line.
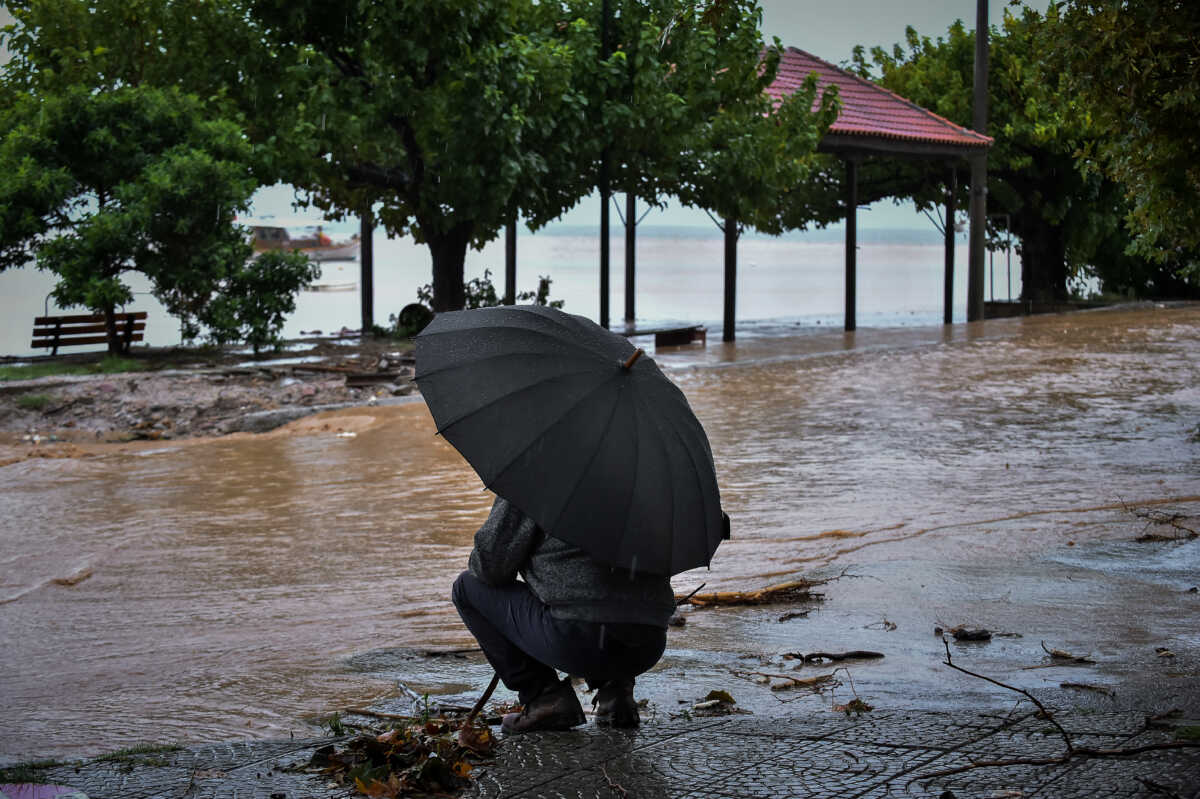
x,y
449,251
1043,259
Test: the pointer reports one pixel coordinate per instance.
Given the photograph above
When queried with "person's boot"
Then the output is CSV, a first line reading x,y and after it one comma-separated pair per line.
x,y
615,705
555,708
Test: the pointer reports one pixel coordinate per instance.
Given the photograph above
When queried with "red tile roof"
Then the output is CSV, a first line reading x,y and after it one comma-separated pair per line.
x,y
869,110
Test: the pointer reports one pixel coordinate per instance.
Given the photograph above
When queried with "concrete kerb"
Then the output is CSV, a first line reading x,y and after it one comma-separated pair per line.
x,y
873,755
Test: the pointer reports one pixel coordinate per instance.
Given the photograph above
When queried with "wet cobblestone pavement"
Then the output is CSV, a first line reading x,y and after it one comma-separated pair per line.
x,y
872,756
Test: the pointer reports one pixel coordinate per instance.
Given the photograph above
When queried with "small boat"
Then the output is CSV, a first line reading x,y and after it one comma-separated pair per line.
x,y
300,235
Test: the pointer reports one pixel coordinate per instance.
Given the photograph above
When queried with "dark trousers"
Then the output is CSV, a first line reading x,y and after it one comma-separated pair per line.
x,y
525,644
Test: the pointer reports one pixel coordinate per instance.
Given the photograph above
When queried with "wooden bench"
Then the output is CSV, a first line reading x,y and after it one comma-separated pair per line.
x,y
672,336
69,331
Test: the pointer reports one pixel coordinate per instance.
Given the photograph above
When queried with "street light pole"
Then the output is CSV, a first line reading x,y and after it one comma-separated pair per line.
x,y
978,206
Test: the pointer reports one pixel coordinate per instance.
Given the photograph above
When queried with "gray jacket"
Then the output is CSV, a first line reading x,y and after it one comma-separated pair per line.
x,y
575,586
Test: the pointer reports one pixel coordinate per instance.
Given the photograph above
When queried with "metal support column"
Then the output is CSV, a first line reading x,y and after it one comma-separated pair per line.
x,y
851,240
510,263
731,241
366,266
979,168
951,203
630,253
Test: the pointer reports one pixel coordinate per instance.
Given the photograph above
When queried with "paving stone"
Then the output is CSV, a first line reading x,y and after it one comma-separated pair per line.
x,y
910,729
874,756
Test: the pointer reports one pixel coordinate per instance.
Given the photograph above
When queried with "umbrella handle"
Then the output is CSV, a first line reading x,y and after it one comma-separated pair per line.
x,y
632,359
483,699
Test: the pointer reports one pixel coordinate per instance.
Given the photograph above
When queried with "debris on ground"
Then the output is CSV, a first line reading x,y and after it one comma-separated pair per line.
x,y
785,682
716,703
1083,686
433,755
821,657
1062,655
792,591
855,706
964,633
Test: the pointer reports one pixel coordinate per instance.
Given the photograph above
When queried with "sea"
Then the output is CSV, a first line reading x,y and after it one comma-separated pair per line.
x,y
785,284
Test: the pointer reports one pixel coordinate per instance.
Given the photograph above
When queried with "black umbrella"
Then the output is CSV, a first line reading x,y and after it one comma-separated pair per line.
x,y
565,420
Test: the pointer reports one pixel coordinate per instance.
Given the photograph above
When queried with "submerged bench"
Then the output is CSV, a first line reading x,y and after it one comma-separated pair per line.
x,y
672,336
68,331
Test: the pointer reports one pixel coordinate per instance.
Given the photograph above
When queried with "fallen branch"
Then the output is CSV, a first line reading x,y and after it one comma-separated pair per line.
x,y
817,657
1072,751
793,591
1154,517
612,786
1082,686
1058,654
788,682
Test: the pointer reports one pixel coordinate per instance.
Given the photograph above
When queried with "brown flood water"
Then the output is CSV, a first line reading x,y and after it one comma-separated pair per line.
x,y
230,580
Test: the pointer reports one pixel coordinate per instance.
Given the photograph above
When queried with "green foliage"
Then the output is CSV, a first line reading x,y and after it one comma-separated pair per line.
x,y
334,724
33,402
256,297
1067,221
448,118
109,365
480,292
101,183
1133,66
28,772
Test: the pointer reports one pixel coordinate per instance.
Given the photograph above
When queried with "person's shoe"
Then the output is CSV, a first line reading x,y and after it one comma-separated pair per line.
x,y
555,708
615,705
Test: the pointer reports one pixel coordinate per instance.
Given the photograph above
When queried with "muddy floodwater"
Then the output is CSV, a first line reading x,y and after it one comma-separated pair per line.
x,y
228,588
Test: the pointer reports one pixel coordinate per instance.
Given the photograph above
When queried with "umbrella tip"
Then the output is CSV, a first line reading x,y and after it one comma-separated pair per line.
x,y
628,364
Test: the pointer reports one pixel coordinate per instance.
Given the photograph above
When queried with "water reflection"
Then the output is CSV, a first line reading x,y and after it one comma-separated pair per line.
x,y
229,580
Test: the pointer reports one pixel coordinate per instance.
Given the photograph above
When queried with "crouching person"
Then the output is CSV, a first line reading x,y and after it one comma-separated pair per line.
x,y
568,613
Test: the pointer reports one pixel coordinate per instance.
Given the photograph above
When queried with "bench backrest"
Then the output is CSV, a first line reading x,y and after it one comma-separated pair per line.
x,y
80,329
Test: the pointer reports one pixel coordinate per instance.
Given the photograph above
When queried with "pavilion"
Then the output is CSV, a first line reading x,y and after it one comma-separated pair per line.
x,y
876,123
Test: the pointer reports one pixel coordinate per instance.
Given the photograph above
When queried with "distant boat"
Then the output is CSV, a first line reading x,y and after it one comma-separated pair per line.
x,y
299,235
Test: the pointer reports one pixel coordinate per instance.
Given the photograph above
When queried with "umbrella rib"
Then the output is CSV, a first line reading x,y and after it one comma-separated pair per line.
x,y
533,439
595,452
496,399
695,472
489,359
572,340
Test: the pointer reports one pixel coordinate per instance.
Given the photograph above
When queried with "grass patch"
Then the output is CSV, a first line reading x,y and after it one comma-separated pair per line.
x,y
134,752
1189,733
27,772
111,364
33,402
139,755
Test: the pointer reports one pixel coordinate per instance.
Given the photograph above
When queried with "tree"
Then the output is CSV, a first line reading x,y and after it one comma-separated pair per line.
x,y
449,117
1133,65
100,183
513,111
1067,222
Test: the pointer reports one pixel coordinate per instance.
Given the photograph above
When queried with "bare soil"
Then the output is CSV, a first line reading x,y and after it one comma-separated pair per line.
x,y
188,393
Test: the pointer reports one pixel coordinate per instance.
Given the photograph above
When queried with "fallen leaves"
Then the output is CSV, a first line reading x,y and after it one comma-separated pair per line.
x,y
433,756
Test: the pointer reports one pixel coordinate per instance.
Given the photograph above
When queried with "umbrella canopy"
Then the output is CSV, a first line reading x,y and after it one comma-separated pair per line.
x,y
562,418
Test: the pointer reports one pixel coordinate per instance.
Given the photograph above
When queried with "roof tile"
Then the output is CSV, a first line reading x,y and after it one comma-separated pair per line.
x,y
870,110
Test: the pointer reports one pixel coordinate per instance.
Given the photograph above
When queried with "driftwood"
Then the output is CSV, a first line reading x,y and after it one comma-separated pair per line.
x,y
786,681
793,591
819,657
1060,655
